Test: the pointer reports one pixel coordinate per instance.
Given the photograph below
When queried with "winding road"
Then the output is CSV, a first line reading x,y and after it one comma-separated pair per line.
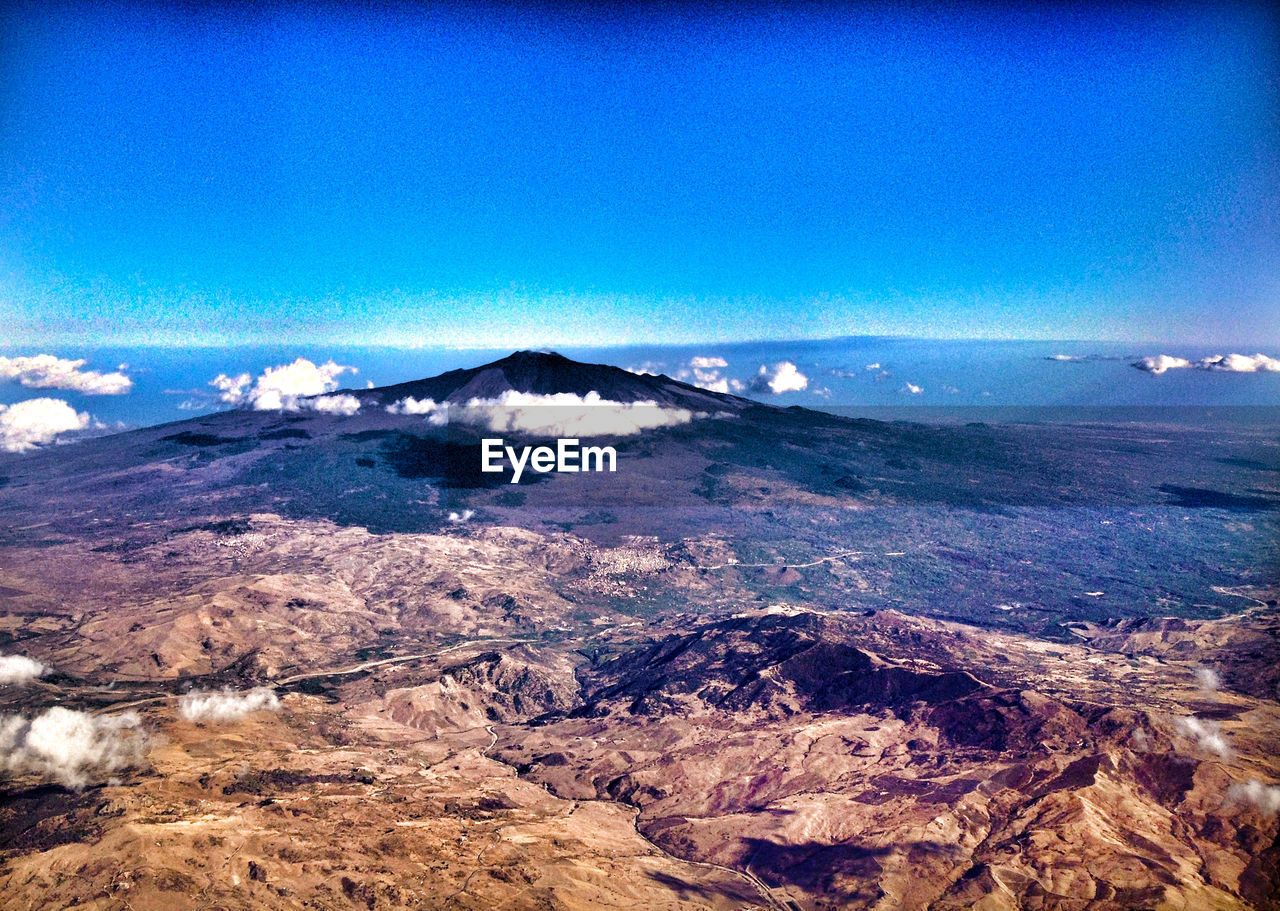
x,y
332,672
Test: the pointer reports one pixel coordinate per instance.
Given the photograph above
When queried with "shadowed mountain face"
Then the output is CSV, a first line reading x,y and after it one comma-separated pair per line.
x,y
777,664
824,661
542,373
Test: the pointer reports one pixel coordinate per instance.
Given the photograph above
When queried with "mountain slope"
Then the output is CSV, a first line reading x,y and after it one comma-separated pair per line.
x,y
548,373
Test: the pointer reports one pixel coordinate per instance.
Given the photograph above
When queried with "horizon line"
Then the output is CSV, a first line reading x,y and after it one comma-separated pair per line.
x,y
594,346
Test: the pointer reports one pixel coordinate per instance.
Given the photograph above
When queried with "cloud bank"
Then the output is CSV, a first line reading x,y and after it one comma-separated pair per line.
x,y
70,747
1229,363
704,371
779,378
566,414
227,706
35,422
45,371
282,388
19,669
563,414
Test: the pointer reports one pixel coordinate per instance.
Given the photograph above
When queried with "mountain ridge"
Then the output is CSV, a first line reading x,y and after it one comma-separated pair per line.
x,y
550,373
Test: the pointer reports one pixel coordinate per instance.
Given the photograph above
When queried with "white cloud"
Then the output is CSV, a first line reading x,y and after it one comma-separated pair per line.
x,y
781,377
1230,363
437,414
1161,363
706,373
71,747
1241,363
25,425
648,368
231,389
457,518
711,381
19,669
912,389
1140,740
1266,797
45,371
335,404
566,414
227,706
1208,678
1207,734
1065,357
280,388
875,366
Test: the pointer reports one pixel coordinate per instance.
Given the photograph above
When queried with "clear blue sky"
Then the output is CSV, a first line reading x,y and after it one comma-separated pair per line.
x,y
572,175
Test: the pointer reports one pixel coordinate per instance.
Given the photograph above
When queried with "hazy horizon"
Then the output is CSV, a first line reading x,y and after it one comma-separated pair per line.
x,y
114,387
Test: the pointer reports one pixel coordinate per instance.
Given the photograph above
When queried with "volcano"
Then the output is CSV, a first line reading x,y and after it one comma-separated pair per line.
x,y
700,456
548,373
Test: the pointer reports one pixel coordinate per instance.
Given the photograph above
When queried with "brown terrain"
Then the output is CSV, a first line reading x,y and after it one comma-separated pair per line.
x,y
845,761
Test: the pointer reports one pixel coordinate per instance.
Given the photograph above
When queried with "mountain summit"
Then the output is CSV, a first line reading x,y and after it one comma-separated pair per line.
x,y
549,373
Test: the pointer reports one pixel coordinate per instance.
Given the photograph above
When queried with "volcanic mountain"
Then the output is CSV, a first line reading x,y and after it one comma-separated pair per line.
x,y
714,463
548,373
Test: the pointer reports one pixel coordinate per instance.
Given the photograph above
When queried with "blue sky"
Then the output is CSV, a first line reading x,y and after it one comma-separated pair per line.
x,y
575,175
